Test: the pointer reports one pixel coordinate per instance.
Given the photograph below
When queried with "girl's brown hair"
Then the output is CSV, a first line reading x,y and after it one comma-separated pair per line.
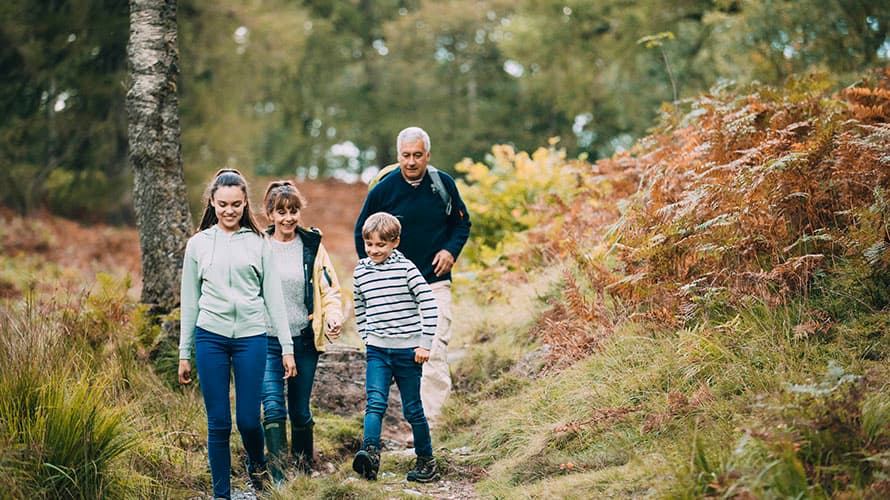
x,y
227,177
282,194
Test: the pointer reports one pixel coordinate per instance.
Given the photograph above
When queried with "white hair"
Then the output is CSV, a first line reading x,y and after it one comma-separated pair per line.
x,y
413,134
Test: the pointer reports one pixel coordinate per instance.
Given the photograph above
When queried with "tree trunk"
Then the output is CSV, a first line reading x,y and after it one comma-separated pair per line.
x,y
161,204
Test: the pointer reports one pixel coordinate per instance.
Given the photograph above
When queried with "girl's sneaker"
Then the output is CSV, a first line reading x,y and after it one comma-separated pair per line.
x,y
367,462
425,471
259,476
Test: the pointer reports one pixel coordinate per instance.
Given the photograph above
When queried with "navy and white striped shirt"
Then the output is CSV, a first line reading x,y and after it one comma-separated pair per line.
x,y
394,306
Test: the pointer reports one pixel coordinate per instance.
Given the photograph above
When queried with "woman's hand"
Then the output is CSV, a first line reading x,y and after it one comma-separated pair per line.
x,y
334,328
185,371
290,367
421,355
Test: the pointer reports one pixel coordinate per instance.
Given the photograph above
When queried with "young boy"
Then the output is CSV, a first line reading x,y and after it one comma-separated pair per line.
x,y
395,312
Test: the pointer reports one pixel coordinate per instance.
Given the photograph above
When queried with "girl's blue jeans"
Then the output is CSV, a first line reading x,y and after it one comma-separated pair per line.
x,y
382,366
299,388
217,357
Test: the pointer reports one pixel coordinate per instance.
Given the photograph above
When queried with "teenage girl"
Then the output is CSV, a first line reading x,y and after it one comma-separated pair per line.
x,y
229,285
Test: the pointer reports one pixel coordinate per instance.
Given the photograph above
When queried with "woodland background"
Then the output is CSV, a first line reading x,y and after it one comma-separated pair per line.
x,y
319,88
678,278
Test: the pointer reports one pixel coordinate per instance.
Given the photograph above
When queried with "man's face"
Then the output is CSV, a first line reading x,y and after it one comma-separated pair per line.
x,y
413,158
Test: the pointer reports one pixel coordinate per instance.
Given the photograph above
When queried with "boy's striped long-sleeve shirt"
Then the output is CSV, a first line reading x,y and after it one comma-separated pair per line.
x,y
394,306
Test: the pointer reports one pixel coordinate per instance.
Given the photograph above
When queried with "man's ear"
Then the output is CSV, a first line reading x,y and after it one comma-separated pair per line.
x,y
396,242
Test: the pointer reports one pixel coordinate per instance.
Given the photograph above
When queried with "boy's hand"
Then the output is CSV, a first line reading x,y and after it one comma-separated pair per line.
x,y
421,355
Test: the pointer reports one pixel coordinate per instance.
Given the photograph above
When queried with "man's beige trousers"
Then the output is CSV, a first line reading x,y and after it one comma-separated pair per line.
x,y
435,385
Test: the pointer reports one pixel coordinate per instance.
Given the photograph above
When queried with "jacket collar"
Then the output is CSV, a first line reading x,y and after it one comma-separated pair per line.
x,y
311,236
215,230
394,257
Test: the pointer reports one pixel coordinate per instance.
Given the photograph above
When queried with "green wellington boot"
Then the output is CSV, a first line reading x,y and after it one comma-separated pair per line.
x,y
276,443
302,444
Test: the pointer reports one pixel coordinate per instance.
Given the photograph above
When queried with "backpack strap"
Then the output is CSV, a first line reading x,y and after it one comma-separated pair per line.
x,y
439,187
435,178
381,174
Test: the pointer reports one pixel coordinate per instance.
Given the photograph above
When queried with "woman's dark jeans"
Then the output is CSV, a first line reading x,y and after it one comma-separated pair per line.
x,y
299,388
217,358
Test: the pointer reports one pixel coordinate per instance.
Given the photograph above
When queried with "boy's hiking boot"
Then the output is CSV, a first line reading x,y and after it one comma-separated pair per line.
x,y
425,471
367,462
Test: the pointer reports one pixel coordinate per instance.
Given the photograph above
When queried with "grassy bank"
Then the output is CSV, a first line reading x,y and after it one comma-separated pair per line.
x,y
751,405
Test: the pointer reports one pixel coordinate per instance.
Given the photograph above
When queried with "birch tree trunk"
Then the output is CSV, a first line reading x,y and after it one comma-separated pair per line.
x,y
161,204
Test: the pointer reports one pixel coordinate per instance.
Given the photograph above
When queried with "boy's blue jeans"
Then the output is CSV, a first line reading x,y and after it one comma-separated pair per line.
x,y
217,357
383,365
299,388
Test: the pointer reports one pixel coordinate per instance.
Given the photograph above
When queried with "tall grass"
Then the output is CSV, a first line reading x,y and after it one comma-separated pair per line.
x,y
61,433
82,412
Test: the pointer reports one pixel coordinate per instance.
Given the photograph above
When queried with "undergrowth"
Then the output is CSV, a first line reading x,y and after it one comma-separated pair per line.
x,y
718,324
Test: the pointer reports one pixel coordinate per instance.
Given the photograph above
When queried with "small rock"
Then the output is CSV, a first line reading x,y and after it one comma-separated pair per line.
x,y
404,453
412,493
530,365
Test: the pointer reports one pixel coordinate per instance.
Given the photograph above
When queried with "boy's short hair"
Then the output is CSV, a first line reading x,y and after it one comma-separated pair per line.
x,y
385,225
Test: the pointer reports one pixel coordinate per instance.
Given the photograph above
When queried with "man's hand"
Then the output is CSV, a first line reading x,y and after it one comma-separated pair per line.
x,y
185,371
290,367
421,355
442,262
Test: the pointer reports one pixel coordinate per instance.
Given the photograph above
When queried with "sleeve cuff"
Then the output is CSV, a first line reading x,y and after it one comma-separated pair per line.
x,y
426,341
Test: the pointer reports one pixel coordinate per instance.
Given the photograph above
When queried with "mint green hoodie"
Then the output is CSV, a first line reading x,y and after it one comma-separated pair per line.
x,y
229,284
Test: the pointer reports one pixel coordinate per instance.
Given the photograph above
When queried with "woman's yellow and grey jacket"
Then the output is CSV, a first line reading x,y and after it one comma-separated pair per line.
x,y
322,292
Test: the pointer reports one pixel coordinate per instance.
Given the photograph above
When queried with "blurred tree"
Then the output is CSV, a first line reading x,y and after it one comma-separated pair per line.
x,y
162,210
377,67
335,97
445,73
239,60
768,40
321,87
63,136
581,60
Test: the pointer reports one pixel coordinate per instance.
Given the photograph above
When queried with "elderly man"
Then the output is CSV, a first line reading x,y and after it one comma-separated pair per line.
x,y
435,227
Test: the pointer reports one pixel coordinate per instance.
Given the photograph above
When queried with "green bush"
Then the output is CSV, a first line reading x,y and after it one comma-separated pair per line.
x,y
61,433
